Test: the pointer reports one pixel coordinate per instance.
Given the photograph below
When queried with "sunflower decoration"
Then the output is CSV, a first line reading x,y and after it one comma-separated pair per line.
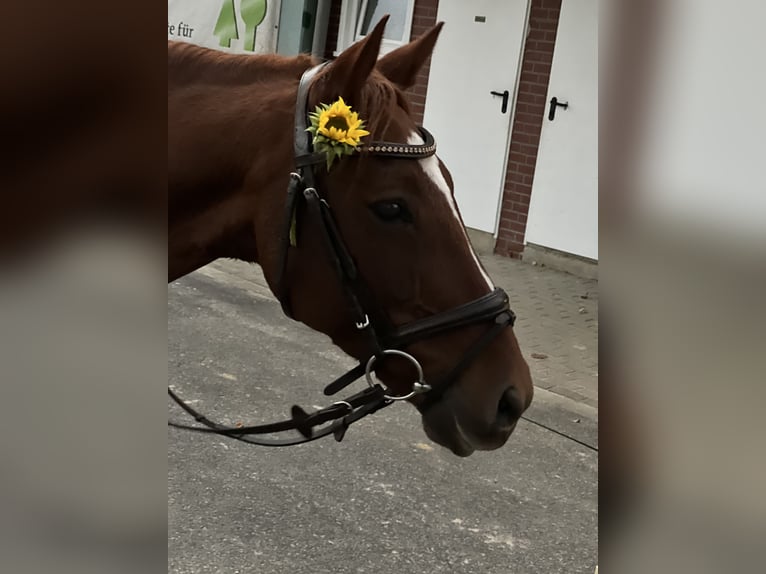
x,y
336,129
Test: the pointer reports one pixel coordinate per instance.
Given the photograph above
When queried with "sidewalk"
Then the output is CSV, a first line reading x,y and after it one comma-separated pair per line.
x,y
556,324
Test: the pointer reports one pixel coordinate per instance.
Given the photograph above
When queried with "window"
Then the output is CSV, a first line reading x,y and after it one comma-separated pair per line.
x,y
358,17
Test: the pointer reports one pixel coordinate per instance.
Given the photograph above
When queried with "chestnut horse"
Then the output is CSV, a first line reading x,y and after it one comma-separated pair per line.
x,y
231,136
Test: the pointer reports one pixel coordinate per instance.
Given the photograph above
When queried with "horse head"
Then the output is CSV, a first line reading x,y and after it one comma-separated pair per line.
x,y
402,231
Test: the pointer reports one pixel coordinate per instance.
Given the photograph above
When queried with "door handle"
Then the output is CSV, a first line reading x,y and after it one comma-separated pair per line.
x,y
505,95
555,104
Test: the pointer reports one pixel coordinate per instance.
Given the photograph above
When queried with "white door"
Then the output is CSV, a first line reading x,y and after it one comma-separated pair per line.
x,y
563,209
478,52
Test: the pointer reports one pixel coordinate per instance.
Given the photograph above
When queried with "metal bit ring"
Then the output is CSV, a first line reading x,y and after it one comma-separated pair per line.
x,y
418,387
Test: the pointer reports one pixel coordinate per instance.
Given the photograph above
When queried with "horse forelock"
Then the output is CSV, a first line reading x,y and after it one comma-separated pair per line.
x,y
380,98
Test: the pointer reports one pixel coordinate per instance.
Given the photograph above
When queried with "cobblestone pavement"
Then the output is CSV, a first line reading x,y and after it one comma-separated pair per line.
x,y
557,325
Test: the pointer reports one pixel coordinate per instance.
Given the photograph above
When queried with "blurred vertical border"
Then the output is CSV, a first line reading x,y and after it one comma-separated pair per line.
x,y
83,310
682,197
83,344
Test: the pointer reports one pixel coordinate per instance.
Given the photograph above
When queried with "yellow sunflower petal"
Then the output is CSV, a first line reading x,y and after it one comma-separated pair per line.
x,y
337,123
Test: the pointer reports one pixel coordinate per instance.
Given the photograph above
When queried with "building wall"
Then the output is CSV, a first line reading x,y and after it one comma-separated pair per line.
x,y
332,29
525,136
530,112
423,19
530,109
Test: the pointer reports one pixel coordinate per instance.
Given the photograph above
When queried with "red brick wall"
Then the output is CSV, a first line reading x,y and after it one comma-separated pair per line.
x,y
333,24
531,109
423,19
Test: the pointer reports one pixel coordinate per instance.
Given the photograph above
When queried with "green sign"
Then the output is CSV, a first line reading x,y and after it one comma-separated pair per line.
x,y
226,29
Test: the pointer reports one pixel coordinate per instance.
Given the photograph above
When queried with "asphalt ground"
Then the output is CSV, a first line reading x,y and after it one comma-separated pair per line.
x,y
386,499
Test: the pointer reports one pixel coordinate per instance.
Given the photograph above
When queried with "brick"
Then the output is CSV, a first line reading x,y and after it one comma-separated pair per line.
x,y
521,188
516,157
527,66
526,169
549,25
532,93
520,208
531,105
523,108
542,46
519,198
529,118
531,136
535,56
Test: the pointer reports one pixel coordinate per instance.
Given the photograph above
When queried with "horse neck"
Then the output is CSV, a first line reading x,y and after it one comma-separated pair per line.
x,y
230,127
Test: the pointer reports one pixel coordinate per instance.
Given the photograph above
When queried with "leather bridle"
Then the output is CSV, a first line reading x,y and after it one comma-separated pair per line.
x,y
385,339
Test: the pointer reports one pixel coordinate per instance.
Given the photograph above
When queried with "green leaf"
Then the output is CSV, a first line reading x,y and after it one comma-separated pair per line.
x,y
226,25
253,12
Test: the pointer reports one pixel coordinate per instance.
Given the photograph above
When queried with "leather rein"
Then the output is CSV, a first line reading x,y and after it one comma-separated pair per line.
x,y
385,339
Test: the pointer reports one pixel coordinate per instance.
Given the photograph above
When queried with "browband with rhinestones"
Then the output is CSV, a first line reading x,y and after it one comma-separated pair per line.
x,y
391,149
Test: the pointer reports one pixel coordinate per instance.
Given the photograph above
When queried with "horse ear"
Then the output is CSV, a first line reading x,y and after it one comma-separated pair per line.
x,y
402,65
347,74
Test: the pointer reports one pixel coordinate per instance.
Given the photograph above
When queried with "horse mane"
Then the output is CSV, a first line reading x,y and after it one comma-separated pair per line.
x,y
256,79
193,64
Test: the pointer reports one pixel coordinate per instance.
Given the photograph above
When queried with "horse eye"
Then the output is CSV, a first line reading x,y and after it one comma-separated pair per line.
x,y
391,211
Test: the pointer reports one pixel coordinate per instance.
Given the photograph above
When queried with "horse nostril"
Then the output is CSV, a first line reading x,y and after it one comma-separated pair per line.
x,y
509,409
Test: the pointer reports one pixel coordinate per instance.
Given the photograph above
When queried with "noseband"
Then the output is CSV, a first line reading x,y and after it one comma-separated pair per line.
x,y
385,339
